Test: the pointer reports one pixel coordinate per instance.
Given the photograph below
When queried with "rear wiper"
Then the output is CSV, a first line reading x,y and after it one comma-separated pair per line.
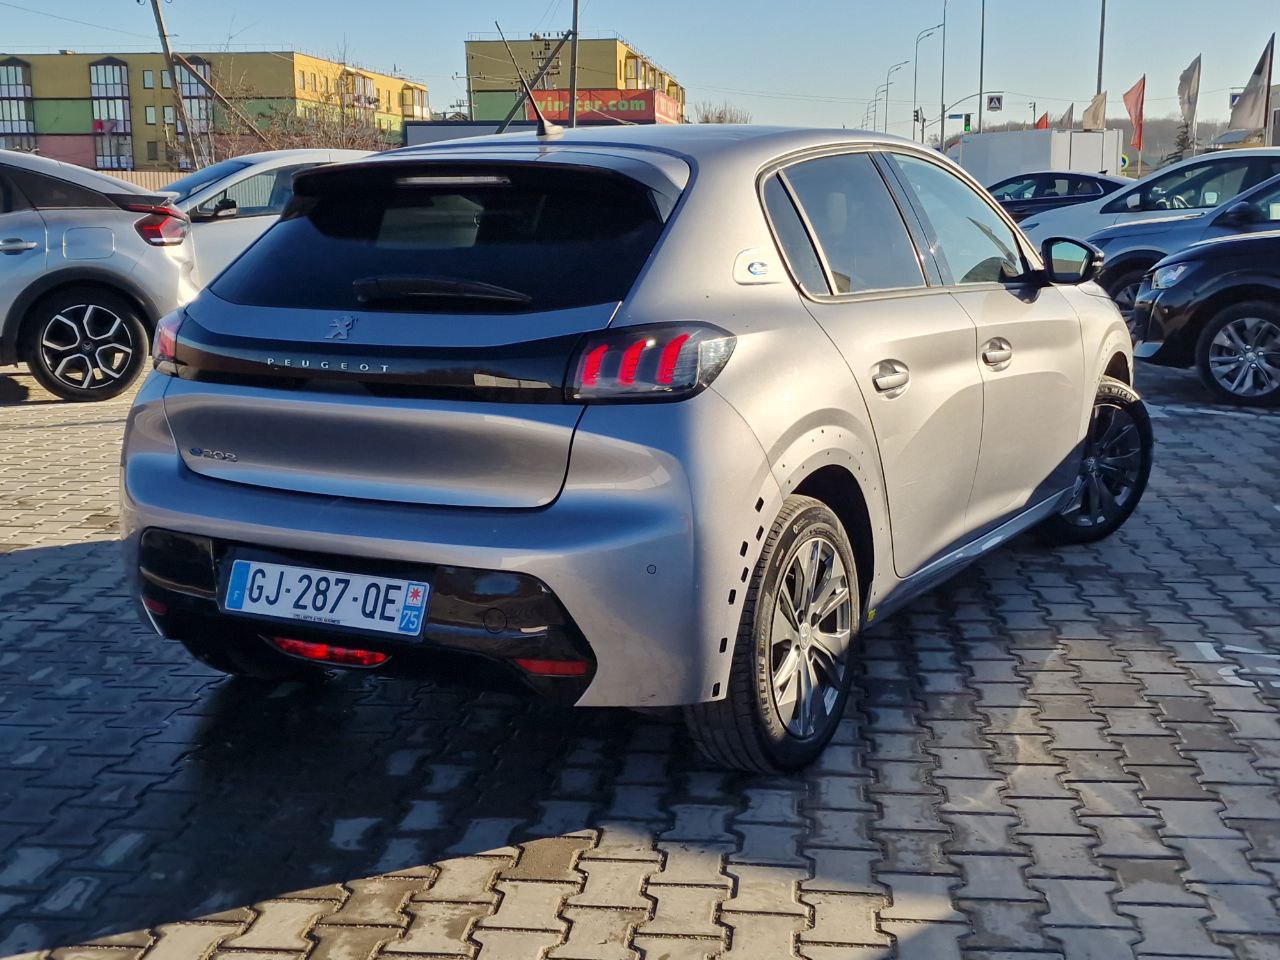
x,y
371,289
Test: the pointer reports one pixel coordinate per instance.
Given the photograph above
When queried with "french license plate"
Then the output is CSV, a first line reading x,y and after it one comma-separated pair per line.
x,y
326,597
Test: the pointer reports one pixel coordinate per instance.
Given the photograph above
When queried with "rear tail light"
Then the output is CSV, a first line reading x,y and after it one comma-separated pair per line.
x,y
163,226
657,362
165,342
325,653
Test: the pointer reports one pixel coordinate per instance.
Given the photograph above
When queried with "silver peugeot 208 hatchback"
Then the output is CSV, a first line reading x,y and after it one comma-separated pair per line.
x,y
646,417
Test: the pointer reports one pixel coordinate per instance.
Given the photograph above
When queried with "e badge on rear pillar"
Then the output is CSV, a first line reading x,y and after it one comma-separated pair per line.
x,y
757,265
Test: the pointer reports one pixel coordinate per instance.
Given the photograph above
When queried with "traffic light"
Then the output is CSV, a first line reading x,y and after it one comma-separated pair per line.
x,y
916,115
968,123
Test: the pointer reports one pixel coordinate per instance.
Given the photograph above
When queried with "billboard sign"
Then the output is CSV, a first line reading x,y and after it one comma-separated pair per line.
x,y
608,106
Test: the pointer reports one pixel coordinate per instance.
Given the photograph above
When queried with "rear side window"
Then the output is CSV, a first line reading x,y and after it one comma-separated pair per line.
x,y
52,193
453,239
793,238
858,225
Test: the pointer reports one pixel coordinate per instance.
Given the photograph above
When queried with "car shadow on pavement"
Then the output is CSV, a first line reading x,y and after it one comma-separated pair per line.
x,y
14,388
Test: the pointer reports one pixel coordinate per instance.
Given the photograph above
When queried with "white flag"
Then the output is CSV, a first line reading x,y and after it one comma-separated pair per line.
x,y
1250,111
1095,115
1068,119
1189,91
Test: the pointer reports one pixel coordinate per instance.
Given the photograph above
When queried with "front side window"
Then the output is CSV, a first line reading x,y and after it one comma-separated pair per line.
x,y
1268,203
970,239
1196,187
856,222
263,194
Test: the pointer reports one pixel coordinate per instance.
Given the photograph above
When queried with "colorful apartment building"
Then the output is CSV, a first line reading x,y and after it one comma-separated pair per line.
x,y
606,65
118,111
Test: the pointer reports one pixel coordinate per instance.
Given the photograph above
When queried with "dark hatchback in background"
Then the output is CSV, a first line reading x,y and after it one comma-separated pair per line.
x,y
1030,193
1216,306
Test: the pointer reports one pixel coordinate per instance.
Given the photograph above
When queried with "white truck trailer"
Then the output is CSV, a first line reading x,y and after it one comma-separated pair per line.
x,y
991,157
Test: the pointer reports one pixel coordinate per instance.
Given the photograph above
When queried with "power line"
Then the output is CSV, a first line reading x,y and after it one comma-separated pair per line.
x,y
83,23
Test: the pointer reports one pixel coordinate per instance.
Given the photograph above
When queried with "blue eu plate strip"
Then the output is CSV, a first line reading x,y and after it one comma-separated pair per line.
x,y
236,587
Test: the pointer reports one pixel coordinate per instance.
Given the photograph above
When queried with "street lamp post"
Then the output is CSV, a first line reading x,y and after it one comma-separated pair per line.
x,y
915,82
982,63
887,84
875,106
942,84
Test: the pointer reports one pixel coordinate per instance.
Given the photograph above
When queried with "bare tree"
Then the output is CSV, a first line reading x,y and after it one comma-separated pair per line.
x,y
723,112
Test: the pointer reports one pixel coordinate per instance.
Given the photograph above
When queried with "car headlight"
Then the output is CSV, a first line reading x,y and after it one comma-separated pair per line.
x,y
1166,277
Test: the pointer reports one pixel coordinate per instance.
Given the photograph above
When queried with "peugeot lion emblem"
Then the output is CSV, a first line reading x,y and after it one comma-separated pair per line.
x,y
341,327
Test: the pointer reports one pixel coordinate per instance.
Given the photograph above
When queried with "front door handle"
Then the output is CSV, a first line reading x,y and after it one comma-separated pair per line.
x,y
997,353
891,377
17,245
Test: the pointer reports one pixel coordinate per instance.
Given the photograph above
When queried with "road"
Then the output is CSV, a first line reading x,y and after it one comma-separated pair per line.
x,y
1062,753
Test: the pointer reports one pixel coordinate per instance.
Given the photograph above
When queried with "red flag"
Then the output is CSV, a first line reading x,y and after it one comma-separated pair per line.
x,y
1134,101
1043,122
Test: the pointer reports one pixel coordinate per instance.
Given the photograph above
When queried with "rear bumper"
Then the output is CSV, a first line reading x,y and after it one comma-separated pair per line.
x,y
645,549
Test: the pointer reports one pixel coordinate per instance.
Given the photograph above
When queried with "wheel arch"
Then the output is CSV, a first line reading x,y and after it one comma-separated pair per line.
x,y
1128,262
839,489
16,322
1119,368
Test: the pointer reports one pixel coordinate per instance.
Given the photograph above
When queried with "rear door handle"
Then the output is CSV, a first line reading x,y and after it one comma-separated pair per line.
x,y
997,353
891,376
17,245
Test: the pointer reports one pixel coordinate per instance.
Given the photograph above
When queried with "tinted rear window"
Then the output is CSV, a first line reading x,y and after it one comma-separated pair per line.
x,y
559,238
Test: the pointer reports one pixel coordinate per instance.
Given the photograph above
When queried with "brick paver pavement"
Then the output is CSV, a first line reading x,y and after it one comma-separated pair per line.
x,y
1063,753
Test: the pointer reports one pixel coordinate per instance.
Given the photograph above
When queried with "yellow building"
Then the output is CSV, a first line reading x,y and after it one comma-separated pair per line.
x,y
117,111
609,63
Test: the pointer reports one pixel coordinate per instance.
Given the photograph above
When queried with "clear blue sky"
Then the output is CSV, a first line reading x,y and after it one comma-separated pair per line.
x,y
811,62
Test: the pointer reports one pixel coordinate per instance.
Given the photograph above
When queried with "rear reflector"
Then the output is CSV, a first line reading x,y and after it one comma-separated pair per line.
x,y
155,606
343,656
554,668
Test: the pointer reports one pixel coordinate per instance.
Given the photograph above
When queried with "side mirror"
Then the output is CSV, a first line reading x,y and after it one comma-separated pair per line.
x,y
1133,201
1242,214
1070,261
226,207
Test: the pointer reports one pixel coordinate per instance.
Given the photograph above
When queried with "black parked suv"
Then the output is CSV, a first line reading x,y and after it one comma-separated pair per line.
x,y
1216,306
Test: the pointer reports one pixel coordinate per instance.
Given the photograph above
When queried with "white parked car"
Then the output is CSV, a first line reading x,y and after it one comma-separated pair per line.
x,y
233,202
1197,183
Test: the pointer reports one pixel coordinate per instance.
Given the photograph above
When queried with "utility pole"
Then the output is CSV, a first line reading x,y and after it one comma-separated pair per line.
x,y
982,63
1034,116
915,82
177,87
573,71
1102,34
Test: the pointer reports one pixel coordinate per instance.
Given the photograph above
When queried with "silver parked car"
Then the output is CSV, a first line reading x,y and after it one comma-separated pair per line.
x,y
648,417
88,264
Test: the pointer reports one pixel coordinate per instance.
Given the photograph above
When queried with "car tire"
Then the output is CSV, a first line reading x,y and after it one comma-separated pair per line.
x,y
760,725
1123,290
85,343
1115,465
1228,347
248,660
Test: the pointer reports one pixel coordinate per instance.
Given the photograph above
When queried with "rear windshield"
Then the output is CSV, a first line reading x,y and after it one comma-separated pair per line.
x,y
485,239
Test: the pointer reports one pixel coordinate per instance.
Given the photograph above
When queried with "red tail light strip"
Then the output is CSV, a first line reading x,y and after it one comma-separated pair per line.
x,y
554,668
